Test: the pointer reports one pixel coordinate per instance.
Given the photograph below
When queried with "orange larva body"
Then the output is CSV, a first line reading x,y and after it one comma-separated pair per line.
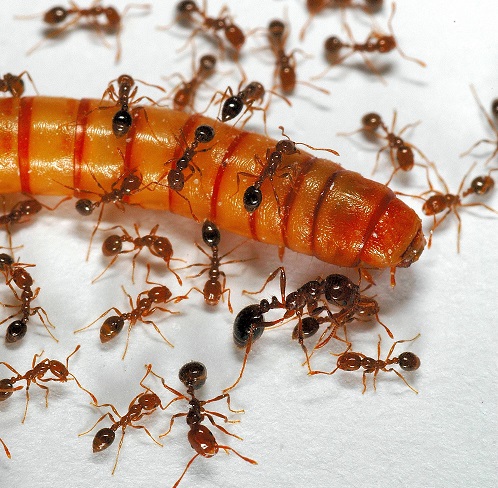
x,y
326,211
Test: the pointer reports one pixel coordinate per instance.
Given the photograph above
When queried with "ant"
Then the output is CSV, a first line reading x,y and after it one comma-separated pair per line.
x,y
144,307
352,361
16,272
375,42
125,97
400,151
14,84
158,246
112,21
450,203
193,375
285,147
37,374
145,403
316,6
186,11
129,184
185,92
213,289
492,124
176,179
285,64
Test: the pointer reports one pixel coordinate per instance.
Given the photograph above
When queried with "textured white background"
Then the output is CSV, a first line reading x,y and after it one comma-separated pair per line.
x,y
318,431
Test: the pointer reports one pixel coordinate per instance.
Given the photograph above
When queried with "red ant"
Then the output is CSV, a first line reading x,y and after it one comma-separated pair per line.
x,y
5,448
176,179
185,92
186,14
285,64
145,403
193,375
124,98
316,6
213,289
16,272
492,124
352,361
37,374
158,246
450,203
112,21
375,42
400,151
143,308
14,84
285,147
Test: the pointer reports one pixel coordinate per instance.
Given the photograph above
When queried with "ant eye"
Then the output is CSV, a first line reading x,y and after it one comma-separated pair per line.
x,y
252,198
204,133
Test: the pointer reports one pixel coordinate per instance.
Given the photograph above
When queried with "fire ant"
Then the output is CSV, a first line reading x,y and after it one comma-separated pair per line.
x,y
14,84
186,14
400,151
352,361
112,21
158,246
193,375
285,147
316,6
125,97
185,92
492,124
145,403
213,289
37,374
450,203
143,308
285,64
16,272
375,42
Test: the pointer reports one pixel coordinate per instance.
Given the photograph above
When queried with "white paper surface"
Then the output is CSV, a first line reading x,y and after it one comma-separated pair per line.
x,y
303,431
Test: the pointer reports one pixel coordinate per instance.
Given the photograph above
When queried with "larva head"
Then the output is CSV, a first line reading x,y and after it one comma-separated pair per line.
x,y
210,234
252,198
103,439
413,251
16,331
193,374
248,325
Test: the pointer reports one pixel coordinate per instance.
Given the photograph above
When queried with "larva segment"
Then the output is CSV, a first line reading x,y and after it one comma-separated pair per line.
x,y
325,210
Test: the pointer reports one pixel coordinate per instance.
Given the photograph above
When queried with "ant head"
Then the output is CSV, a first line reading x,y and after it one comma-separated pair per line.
x,y
103,439
210,234
255,90
235,36
349,361
193,374
386,44
276,28
16,331
112,246
480,185
131,183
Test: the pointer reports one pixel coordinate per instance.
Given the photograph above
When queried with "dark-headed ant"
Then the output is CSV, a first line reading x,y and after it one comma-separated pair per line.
x,y
492,124
143,308
14,84
37,374
158,246
112,21
316,6
186,12
375,42
447,202
214,289
400,151
17,273
352,361
185,92
193,375
145,403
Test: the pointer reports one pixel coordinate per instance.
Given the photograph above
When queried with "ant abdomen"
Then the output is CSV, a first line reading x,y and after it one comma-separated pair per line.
x,y
340,290
408,361
246,325
210,234
84,206
55,15
112,246
103,439
193,374
309,327
111,327
121,123
16,331
6,384
203,441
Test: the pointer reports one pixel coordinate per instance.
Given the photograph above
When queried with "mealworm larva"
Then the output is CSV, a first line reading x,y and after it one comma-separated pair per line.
x,y
51,146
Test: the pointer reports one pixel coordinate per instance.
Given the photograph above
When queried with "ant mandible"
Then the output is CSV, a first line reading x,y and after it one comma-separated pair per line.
x,y
37,374
158,246
145,403
193,375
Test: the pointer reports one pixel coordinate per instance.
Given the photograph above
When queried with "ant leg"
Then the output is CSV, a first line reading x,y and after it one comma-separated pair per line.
x,y
283,282
209,415
172,421
244,362
185,470
5,448
98,421
98,318
220,397
249,460
404,380
157,328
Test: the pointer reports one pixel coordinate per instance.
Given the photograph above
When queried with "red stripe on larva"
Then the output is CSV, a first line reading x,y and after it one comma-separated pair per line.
x,y
185,131
252,224
325,191
221,170
291,196
79,139
23,133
